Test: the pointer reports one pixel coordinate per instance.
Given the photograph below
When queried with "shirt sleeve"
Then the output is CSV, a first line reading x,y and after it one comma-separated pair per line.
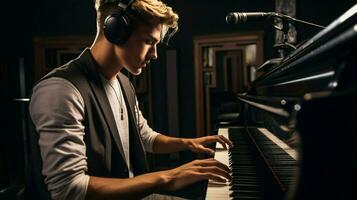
x,y
147,134
57,110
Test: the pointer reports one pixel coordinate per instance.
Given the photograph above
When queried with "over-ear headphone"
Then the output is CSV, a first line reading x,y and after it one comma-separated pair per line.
x,y
119,25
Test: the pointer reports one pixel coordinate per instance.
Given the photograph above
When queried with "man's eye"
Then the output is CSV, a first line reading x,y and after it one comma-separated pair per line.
x,y
150,42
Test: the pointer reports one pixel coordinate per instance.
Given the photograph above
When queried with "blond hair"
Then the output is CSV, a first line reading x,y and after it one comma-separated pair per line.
x,y
149,10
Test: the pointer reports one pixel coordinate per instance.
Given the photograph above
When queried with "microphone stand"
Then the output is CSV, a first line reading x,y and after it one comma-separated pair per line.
x,y
285,47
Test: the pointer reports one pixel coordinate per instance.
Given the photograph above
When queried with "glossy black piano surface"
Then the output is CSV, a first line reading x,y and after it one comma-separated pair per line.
x,y
308,101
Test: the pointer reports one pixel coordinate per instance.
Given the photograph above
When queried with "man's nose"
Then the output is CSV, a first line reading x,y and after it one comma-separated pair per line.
x,y
153,53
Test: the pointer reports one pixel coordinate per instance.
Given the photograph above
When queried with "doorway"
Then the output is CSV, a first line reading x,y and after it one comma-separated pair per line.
x,y
225,65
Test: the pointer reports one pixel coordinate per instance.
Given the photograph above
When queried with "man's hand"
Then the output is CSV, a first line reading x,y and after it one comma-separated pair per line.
x,y
195,171
197,145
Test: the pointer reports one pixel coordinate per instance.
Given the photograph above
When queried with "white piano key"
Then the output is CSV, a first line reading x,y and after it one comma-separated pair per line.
x,y
218,190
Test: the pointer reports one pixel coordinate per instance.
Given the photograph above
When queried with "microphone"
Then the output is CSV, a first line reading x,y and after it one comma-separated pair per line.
x,y
243,17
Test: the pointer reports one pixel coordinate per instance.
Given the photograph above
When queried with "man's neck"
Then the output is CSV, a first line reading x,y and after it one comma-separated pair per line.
x,y
104,55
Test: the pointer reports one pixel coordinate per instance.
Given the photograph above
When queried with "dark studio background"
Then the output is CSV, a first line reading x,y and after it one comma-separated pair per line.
x,y
24,20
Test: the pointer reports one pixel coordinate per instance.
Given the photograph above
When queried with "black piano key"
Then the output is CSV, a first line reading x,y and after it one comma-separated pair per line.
x,y
252,179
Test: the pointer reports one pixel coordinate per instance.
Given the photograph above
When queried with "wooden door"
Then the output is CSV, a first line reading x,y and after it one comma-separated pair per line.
x,y
224,66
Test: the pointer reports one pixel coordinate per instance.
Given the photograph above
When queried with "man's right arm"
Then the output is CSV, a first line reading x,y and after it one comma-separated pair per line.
x,y
174,179
57,111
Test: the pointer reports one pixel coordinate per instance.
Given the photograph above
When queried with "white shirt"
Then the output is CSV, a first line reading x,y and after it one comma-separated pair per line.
x,y
57,110
114,93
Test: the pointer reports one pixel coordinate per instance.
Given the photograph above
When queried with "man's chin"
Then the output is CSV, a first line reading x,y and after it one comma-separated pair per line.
x,y
136,72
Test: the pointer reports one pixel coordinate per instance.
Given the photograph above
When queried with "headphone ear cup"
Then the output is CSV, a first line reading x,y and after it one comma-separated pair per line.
x,y
117,27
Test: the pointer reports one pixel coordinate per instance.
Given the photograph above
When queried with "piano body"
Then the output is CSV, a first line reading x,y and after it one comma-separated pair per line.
x,y
296,135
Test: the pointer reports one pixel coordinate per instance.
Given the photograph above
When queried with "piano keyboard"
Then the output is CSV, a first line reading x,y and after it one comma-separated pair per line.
x,y
256,175
218,190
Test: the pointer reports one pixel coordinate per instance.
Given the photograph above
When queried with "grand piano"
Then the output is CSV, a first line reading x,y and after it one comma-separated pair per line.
x,y
296,134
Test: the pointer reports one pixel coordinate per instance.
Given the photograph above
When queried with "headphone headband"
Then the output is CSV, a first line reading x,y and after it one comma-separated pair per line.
x,y
123,4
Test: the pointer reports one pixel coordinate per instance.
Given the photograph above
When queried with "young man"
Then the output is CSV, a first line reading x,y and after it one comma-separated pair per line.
x,y
90,133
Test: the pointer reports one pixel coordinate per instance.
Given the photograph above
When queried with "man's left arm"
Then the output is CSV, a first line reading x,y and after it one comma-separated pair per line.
x,y
158,143
166,144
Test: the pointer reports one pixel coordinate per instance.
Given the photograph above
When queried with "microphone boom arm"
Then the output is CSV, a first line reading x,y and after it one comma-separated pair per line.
x,y
286,22
291,19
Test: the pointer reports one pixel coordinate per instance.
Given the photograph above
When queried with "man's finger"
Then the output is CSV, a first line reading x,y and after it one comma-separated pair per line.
x,y
203,149
214,162
217,170
226,140
218,139
214,177
209,139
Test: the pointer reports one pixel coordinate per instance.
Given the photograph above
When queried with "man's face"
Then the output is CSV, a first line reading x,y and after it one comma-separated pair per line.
x,y
141,47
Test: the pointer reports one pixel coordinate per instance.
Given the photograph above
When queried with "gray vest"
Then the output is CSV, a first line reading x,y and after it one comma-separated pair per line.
x,y
103,146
